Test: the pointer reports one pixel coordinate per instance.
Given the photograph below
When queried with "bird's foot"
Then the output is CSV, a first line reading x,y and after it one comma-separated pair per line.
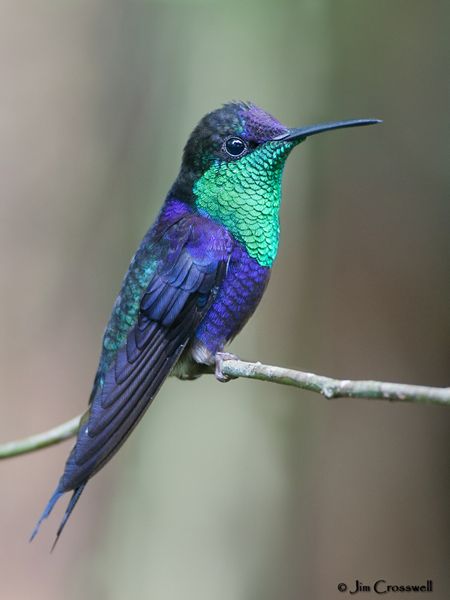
x,y
220,357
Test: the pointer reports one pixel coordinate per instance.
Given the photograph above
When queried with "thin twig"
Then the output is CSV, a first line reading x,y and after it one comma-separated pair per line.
x,y
327,386
338,388
40,440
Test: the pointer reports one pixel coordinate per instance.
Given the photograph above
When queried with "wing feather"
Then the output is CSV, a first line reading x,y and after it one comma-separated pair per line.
x,y
182,288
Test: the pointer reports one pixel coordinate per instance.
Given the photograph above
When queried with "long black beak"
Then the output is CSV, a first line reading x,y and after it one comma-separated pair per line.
x,y
302,133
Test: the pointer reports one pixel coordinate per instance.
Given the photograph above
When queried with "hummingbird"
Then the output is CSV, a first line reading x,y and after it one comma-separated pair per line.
x,y
195,280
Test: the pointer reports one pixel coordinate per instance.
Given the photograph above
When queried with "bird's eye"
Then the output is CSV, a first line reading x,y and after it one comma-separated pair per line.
x,y
235,146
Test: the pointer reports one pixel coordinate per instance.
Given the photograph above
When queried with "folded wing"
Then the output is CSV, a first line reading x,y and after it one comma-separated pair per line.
x,y
184,284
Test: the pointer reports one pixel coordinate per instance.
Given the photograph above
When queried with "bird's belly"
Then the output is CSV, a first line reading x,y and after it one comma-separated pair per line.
x,y
239,295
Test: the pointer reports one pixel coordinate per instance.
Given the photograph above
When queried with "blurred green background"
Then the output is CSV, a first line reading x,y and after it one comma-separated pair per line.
x,y
246,491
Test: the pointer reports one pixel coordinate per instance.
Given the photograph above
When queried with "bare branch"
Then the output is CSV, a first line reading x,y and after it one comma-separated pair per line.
x,y
327,386
40,440
338,388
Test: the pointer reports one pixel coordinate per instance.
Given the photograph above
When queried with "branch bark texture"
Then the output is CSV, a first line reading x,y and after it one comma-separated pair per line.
x,y
327,386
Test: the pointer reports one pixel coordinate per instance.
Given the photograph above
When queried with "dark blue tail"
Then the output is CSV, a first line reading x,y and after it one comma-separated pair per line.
x,y
48,509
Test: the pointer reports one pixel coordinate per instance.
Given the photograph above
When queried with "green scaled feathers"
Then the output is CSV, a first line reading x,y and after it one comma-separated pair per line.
x,y
244,195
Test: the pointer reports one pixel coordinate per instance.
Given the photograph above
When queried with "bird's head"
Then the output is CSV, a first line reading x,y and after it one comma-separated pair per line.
x,y
232,167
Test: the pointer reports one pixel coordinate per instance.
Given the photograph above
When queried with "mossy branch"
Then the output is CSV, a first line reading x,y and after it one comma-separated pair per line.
x,y
327,386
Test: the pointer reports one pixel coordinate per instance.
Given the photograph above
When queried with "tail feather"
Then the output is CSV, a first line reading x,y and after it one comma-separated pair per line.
x,y
73,500
48,509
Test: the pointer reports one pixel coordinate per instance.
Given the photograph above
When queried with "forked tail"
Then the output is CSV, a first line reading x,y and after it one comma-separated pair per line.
x,y
48,509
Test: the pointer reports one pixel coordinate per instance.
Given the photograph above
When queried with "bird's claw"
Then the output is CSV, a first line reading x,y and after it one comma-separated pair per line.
x,y
220,357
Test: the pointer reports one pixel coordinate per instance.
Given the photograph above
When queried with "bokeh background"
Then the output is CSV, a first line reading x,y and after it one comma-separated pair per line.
x,y
245,491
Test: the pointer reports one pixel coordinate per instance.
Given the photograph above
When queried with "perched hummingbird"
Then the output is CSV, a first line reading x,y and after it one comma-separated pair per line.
x,y
194,281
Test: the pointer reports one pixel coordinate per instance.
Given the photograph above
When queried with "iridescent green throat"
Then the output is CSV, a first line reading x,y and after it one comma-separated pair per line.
x,y
245,196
